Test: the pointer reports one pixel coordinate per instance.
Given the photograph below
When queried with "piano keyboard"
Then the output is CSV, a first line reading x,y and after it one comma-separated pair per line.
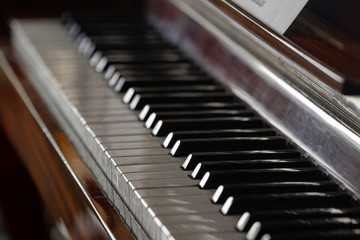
x,y
185,159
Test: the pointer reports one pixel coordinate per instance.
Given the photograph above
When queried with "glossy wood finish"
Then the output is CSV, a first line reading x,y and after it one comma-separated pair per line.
x,y
335,47
15,188
309,40
67,187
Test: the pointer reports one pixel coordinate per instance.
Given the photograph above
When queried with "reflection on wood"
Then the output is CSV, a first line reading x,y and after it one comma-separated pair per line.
x,y
66,186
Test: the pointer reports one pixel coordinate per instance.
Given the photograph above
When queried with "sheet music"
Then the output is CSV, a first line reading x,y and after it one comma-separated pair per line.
x,y
276,14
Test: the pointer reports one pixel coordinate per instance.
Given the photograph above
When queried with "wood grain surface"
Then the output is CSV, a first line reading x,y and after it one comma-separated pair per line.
x,y
66,186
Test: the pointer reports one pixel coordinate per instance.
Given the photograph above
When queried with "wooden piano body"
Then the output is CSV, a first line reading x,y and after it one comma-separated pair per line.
x,y
297,91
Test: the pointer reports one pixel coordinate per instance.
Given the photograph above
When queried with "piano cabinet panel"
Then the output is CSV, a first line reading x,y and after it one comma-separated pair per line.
x,y
20,202
67,188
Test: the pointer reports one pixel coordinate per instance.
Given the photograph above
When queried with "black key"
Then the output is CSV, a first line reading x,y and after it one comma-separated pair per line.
x,y
86,47
150,69
116,38
155,117
302,224
101,26
123,84
133,39
193,159
249,218
168,71
105,61
131,92
84,19
227,190
213,179
75,29
186,146
150,108
238,204
204,167
139,101
172,137
145,57
164,127
337,234
114,76
151,43
89,46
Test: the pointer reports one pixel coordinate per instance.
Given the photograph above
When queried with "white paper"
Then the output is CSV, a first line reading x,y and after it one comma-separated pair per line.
x,y
276,14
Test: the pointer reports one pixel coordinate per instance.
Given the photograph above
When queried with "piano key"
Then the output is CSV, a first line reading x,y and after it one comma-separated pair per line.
x,y
99,24
111,119
98,112
145,36
155,117
186,146
134,45
169,71
110,104
176,191
129,190
156,174
348,234
186,198
210,223
204,167
176,200
135,53
119,125
238,204
139,101
227,190
107,132
213,179
247,219
105,61
198,209
195,158
210,236
154,68
137,152
172,137
134,160
125,138
89,92
148,69
163,183
98,55
145,57
301,224
123,84
131,92
150,168
158,207
146,180
122,28
164,127
150,108
131,145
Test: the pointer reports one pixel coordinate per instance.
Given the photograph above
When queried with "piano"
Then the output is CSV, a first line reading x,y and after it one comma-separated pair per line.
x,y
187,120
